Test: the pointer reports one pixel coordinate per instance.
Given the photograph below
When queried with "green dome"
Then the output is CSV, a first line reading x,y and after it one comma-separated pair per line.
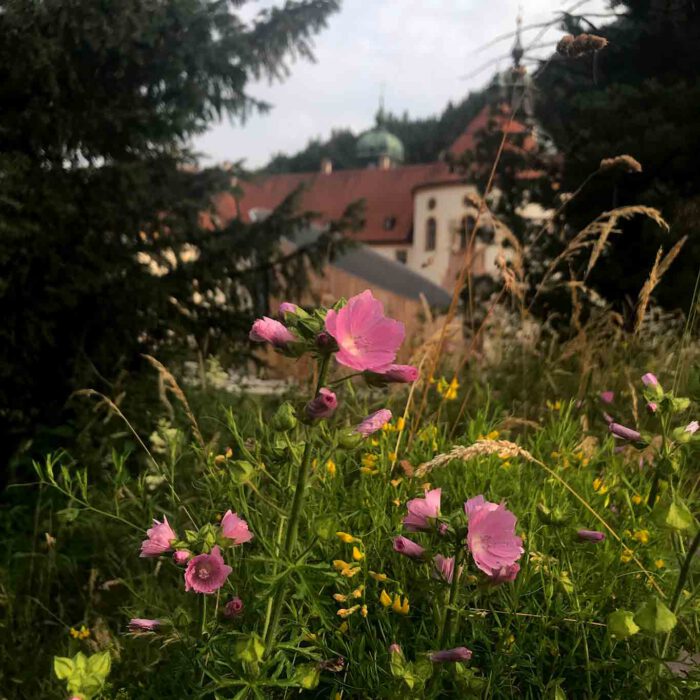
x,y
379,142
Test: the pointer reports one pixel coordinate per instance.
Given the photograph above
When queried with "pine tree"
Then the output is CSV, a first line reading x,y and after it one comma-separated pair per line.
x,y
98,189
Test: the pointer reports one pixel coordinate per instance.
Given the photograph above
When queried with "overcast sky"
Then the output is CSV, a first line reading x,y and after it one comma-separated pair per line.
x,y
419,50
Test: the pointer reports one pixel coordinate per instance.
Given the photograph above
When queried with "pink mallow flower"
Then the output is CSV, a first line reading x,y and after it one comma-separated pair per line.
x,y
624,432
423,512
692,427
591,535
506,574
607,396
650,379
233,608
140,624
181,557
652,406
491,535
375,421
323,405
394,374
286,307
447,655
267,330
235,528
445,568
206,573
159,538
408,548
367,340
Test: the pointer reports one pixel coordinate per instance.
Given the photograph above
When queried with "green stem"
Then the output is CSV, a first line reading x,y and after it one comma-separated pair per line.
x,y
682,576
290,539
445,631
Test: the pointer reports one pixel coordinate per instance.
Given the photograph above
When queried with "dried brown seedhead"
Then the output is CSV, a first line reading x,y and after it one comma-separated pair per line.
x,y
624,163
575,46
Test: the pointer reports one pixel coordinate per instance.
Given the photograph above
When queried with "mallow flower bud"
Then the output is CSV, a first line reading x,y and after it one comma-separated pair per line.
x,y
323,406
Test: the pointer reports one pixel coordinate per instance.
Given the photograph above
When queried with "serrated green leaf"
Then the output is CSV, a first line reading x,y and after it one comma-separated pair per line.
x,y
100,664
621,624
62,667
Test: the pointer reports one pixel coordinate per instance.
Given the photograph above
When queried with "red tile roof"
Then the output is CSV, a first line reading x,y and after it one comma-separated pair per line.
x,y
467,140
387,193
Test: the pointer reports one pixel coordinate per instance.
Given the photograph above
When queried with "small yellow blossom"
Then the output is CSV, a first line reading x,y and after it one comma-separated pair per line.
x,y
314,463
393,456
374,442
378,577
659,563
330,467
229,453
642,536
340,598
363,611
396,482
400,607
369,460
493,435
357,555
310,637
506,465
346,612
626,556
636,499
346,537
426,486
82,633
385,598
400,423
357,593
396,502
599,486
369,470
553,405
344,568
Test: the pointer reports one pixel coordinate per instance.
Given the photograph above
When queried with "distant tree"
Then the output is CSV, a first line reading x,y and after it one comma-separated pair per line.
x,y
98,190
638,96
424,140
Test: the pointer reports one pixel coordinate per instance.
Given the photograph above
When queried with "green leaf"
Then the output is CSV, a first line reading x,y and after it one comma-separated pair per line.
x,y
100,664
307,676
249,649
325,527
621,624
655,618
62,667
675,515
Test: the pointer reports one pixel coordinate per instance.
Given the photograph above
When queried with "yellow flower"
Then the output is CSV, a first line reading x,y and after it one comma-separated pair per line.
x,y
82,633
400,607
396,502
400,423
505,465
659,563
369,460
344,568
314,463
310,637
368,470
392,456
345,537
357,593
346,612
330,467
396,482
554,406
378,577
597,483
642,536
363,611
374,442
426,486
339,597
493,435
357,555
385,598
343,628
626,555
636,499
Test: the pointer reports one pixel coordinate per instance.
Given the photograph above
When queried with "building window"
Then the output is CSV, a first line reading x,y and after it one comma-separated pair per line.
x,y
465,231
402,256
389,223
430,234
431,203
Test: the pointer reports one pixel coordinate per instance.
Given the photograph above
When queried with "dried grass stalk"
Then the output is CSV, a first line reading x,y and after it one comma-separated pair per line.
x,y
481,448
657,272
168,383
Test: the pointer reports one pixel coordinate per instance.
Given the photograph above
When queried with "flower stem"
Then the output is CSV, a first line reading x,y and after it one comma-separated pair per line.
x,y
682,576
290,539
445,631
